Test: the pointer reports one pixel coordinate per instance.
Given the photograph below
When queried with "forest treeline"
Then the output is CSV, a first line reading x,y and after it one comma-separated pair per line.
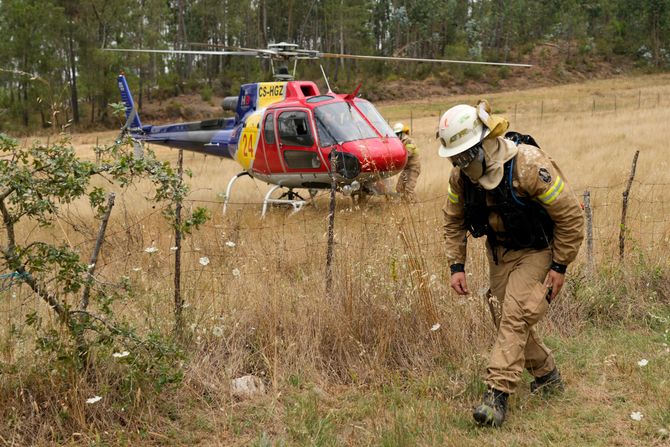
x,y
52,69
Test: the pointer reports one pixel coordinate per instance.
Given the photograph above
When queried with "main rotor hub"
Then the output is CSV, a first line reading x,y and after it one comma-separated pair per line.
x,y
282,46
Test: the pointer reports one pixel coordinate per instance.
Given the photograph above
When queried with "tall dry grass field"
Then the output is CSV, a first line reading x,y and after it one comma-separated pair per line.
x,y
338,368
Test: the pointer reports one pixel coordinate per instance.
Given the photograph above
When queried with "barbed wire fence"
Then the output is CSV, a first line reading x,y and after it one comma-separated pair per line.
x,y
647,223
238,256
631,215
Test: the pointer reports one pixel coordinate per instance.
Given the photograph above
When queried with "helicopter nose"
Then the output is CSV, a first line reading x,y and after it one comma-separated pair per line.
x,y
378,156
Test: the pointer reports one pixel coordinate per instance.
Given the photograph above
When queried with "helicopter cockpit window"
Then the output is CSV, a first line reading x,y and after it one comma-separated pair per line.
x,y
374,117
269,129
294,129
338,122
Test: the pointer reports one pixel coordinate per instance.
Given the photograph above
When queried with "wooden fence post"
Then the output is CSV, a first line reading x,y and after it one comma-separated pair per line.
x,y
331,233
97,151
589,232
624,208
178,300
639,99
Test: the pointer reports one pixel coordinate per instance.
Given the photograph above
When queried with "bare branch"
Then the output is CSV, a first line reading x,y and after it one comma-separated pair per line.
x,y
96,251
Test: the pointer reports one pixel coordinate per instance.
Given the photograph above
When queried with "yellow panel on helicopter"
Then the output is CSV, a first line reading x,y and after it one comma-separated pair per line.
x,y
269,93
246,146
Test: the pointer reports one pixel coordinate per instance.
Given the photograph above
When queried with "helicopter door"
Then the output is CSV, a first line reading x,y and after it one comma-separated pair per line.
x,y
297,144
268,161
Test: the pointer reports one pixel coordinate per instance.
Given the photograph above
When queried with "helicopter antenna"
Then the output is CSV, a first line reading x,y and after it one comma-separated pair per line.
x,y
325,79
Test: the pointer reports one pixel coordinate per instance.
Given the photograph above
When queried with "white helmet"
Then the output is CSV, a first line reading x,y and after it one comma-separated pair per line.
x,y
399,128
460,129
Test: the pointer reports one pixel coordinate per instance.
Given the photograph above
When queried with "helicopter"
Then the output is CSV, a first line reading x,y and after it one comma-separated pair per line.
x,y
287,132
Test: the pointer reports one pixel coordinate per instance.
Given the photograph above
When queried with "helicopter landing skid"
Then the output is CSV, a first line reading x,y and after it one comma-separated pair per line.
x,y
230,187
287,198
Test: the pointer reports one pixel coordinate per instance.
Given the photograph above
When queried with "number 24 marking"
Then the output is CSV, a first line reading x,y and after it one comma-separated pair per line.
x,y
247,145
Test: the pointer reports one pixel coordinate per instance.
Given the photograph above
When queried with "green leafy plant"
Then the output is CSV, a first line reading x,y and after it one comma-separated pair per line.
x,y
35,182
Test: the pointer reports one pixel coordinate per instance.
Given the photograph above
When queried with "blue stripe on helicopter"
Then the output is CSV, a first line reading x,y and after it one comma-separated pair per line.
x,y
127,99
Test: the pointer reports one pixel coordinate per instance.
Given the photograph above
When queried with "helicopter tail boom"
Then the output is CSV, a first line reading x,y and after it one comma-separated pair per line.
x,y
132,117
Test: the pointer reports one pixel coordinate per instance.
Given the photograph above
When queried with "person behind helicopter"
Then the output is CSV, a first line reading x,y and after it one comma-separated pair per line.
x,y
409,176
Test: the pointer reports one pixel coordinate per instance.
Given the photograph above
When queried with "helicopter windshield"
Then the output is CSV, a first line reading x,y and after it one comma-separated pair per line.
x,y
339,122
372,114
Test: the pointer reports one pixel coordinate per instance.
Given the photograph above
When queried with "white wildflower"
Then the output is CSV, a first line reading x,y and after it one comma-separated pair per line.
x,y
230,244
151,249
236,273
204,260
217,331
636,416
122,354
90,266
435,327
173,248
137,269
94,399
643,362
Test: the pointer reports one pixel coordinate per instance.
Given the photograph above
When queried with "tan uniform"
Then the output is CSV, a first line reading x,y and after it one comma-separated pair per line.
x,y
517,278
409,175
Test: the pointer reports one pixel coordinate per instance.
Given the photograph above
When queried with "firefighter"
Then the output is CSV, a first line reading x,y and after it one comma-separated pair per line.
x,y
409,175
504,187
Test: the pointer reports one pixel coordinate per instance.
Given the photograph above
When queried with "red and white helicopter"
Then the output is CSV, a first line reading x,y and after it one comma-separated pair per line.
x,y
288,133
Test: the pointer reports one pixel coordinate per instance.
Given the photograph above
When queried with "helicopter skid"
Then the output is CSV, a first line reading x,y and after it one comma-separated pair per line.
x,y
230,187
297,204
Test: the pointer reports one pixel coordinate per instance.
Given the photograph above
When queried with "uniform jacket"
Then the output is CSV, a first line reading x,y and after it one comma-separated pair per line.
x,y
535,176
410,147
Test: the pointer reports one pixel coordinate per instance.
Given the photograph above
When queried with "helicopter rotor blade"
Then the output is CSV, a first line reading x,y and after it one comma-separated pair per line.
x,y
290,52
198,52
416,59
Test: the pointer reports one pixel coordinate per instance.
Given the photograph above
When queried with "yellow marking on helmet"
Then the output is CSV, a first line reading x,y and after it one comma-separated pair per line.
x,y
453,197
552,193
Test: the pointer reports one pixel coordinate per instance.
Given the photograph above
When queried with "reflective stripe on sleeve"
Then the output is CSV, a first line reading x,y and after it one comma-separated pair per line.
x,y
553,192
453,197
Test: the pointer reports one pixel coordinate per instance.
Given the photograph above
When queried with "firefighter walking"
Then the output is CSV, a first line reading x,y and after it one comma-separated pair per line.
x,y
504,187
408,177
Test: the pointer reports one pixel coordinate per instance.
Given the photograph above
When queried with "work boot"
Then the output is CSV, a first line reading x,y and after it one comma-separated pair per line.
x,y
492,410
548,384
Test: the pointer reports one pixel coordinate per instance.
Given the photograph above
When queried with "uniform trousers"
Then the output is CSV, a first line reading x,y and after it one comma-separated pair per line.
x,y
521,300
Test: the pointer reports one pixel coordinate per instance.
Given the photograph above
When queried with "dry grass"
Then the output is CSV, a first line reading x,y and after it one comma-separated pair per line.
x,y
363,367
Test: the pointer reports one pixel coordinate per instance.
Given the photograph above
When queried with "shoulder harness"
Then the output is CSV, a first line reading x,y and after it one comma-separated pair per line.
x,y
527,224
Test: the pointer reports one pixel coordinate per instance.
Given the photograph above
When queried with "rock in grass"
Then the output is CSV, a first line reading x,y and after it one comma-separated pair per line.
x,y
247,387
